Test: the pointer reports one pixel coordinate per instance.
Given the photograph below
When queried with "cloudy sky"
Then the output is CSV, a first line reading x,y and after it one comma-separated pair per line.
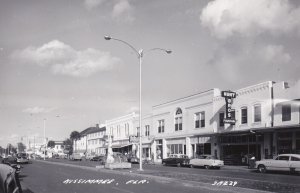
x,y
56,65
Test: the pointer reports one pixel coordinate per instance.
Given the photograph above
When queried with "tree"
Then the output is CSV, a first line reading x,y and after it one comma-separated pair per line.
x,y
68,146
11,149
21,147
74,136
51,144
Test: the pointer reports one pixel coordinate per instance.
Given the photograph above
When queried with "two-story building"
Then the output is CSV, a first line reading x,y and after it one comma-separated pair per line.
x,y
120,129
184,126
96,141
266,121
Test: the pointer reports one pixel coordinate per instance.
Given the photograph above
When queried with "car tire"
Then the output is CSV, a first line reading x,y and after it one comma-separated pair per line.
x,y
292,170
163,163
206,167
191,166
262,169
178,164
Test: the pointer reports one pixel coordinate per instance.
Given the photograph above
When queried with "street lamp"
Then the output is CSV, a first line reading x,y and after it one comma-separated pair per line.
x,y
45,139
140,54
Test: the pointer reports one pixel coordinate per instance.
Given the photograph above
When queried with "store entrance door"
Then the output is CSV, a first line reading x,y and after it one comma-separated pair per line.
x,y
240,154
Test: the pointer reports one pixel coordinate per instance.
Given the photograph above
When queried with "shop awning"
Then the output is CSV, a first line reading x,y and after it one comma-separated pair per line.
x,y
118,146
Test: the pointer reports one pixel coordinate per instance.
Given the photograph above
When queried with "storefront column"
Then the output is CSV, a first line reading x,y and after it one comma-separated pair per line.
x,y
267,145
188,147
274,146
215,147
294,142
149,153
153,153
164,147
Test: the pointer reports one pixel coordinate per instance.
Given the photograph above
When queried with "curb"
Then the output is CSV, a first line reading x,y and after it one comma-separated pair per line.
x,y
159,179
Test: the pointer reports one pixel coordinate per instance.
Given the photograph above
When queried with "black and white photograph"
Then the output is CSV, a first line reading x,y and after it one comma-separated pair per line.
x,y
160,96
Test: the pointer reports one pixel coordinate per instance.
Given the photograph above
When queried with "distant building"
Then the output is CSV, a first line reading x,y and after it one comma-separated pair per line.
x,y
91,141
120,129
96,141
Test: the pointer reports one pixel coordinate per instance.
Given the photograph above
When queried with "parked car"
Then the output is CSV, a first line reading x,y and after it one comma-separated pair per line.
x,y
9,181
283,162
207,161
90,156
76,156
133,159
101,159
10,159
22,158
176,160
55,156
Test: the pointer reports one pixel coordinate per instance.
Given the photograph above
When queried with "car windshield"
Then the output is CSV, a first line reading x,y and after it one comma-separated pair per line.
x,y
19,155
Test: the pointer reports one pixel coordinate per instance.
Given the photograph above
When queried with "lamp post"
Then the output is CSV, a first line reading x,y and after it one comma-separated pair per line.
x,y
140,54
45,138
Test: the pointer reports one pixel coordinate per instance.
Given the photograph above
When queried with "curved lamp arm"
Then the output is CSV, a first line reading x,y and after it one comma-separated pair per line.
x,y
135,50
165,50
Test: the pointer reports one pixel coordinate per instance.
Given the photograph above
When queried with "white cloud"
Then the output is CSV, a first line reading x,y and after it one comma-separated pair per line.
x,y
241,64
37,110
225,18
63,59
133,109
275,54
90,4
122,11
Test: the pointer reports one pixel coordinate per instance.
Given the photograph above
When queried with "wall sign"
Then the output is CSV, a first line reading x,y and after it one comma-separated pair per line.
x,y
229,96
133,139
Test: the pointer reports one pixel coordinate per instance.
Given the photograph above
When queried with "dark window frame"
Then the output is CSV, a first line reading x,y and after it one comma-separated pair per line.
x,y
286,110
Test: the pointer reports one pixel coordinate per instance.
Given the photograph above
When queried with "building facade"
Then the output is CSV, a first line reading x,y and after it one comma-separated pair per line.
x,y
121,129
184,126
261,120
96,141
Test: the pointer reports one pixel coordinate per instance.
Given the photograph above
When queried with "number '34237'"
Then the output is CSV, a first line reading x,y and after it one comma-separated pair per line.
x,y
224,183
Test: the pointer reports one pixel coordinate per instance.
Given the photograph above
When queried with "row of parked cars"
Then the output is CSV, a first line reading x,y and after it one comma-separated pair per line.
x,y
207,161
102,158
283,162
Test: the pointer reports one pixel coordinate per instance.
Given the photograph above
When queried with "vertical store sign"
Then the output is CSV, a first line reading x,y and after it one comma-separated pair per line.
x,y
229,96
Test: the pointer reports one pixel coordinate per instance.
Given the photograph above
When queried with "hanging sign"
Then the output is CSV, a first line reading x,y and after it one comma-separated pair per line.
x,y
229,96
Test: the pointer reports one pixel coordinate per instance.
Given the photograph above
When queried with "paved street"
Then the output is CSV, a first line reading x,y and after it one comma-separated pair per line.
x,y
50,177
41,177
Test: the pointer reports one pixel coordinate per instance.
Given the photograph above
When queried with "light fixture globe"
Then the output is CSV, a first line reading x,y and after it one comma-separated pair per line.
x,y
107,37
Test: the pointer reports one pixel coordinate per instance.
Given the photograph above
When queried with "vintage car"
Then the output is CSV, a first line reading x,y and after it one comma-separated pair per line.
x,y
207,161
9,182
176,160
133,159
22,158
283,162
76,156
100,158
10,159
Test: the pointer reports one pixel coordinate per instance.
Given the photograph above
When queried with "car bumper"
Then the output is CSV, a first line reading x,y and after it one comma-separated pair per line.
x,y
22,161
